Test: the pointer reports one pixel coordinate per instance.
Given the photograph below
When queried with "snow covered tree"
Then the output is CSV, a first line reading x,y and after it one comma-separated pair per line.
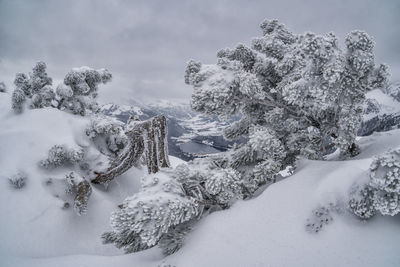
x,y
33,90
3,87
146,216
76,94
79,90
382,193
170,203
60,155
385,180
361,202
298,94
18,180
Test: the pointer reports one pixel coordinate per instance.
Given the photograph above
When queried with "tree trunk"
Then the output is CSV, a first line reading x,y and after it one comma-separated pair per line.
x,y
148,137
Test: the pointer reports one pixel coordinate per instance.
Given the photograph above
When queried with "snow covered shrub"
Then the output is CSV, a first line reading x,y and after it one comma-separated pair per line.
x,y
170,203
207,181
78,92
60,155
18,180
385,181
108,134
3,87
298,94
173,240
18,100
361,203
145,217
382,193
33,90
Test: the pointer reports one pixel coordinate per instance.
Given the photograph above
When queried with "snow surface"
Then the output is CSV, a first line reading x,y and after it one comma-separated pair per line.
x,y
266,231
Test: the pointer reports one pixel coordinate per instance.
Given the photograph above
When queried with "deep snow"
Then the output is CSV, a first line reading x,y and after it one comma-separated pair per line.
x,y
266,231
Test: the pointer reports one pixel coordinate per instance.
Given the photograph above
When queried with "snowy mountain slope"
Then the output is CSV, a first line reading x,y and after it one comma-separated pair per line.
x,y
266,231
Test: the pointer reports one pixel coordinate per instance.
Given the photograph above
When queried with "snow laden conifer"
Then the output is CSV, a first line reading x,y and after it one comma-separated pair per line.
x,y
385,180
298,95
382,193
170,203
78,92
61,156
145,217
33,90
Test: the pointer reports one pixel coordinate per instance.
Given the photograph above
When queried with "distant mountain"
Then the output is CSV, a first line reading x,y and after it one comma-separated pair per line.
x,y
381,110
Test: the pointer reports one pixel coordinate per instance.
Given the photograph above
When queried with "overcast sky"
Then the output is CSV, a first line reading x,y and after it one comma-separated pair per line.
x,y
146,44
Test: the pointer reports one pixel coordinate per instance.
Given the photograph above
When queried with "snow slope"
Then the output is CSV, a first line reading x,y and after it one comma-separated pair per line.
x,y
266,231
34,227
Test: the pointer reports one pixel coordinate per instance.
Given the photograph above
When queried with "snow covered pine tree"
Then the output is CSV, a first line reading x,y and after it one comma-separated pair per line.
x,y
77,94
79,90
382,193
34,88
299,95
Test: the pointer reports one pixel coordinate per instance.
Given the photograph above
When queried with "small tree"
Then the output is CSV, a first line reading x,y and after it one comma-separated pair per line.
x,y
77,94
79,90
382,193
33,90
170,203
298,94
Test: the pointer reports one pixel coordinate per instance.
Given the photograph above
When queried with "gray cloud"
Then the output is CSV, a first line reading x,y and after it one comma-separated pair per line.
x,y
146,44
